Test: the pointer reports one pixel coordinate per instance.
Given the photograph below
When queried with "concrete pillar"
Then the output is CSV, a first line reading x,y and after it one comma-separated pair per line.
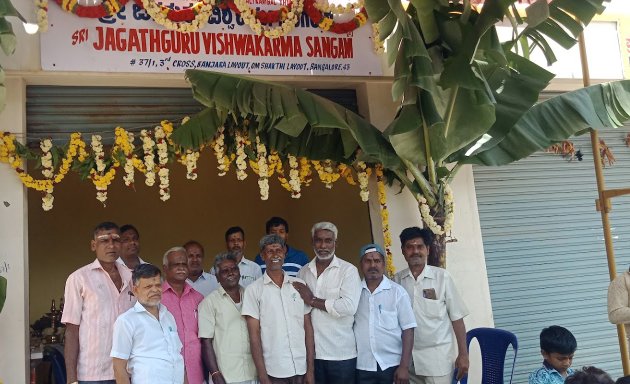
x,y
14,354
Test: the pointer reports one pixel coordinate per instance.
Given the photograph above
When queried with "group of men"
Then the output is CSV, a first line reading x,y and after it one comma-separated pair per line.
x,y
282,319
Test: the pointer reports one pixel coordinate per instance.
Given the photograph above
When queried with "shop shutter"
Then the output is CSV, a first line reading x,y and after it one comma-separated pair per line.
x,y
57,111
544,249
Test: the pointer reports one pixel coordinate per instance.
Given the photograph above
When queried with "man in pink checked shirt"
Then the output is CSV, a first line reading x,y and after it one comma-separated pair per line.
x,y
182,301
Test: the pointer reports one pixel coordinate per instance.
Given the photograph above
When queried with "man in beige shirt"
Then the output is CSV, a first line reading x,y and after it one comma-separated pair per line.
x,y
223,331
619,301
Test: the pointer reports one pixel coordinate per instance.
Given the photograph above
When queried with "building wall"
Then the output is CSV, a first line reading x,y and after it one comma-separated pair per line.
x,y
465,260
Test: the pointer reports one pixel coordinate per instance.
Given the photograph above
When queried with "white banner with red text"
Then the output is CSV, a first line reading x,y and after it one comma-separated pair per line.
x,y
131,41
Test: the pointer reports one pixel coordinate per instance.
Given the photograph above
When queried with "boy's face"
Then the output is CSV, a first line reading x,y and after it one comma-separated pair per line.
x,y
560,362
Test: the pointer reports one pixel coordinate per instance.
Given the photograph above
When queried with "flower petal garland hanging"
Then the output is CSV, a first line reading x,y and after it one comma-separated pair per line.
x,y
326,7
105,9
157,150
184,20
42,15
255,19
328,24
387,236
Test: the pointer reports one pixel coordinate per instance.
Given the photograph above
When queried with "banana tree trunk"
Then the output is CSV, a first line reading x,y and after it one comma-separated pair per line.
x,y
437,256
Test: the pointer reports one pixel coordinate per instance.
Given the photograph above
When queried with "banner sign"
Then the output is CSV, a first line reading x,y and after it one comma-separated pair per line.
x,y
131,41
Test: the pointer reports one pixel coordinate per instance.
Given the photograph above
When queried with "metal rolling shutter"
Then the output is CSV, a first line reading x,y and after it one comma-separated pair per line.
x,y
544,250
57,111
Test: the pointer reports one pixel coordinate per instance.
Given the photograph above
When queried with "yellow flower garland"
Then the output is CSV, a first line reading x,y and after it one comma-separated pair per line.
x,y
387,237
123,153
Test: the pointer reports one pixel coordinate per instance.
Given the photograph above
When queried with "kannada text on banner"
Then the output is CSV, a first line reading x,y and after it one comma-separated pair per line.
x,y
131,42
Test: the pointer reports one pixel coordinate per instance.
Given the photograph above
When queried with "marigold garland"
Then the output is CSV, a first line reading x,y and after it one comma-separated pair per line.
x,y
156,143
387,237
161,132
149,162
326,7
185,20
326,173
429,220
47,171
362,175
294,177
263,171
288,17
241,165
105,9
219,151
42,15
328,24
379,47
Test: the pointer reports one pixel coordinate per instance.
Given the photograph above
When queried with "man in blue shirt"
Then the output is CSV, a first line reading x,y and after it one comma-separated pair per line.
x,y
295,259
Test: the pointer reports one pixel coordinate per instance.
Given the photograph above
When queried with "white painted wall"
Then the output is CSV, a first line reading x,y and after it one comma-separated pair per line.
x,y
14,338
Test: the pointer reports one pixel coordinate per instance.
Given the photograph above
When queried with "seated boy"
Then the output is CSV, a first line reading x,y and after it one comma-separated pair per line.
x,y
557,346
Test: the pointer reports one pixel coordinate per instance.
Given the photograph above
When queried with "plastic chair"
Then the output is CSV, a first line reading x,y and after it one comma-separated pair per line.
x,y
493,344
58,364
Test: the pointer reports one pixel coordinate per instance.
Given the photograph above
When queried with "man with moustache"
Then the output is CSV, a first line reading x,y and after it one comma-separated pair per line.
x,y
146,345
202,282
438,308
223,331
295,258
94,297
383,324
333,288
235,244
182,301
130,247
278,321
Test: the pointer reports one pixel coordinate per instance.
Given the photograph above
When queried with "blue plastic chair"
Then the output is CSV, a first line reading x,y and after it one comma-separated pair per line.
x,y
493,344
58,364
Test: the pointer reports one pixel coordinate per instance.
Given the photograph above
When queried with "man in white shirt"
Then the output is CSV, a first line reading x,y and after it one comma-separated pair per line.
x,y
202,282
383,324
332,289
235,244
130,247
439,312
278,321
223,331
146,345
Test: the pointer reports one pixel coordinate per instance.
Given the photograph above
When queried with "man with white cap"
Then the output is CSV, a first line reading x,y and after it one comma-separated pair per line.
x,y
383,324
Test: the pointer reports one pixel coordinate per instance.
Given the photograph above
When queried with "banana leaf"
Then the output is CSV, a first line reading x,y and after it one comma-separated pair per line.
x,y
289,120
554,120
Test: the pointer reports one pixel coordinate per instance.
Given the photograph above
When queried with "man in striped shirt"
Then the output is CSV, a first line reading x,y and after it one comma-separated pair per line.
x,y
94,297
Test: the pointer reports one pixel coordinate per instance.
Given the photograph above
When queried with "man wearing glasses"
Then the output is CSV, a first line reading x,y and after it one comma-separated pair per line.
x,y
94,297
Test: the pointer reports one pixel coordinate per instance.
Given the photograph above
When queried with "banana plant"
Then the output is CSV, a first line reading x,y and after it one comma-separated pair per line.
x,y
464,97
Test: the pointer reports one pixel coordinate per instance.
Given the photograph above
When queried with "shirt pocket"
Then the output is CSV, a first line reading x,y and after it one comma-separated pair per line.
x,y
432,309
388,319
331,293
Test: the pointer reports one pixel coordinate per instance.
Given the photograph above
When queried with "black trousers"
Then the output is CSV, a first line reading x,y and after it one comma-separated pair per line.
x,y
376,377
335,371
